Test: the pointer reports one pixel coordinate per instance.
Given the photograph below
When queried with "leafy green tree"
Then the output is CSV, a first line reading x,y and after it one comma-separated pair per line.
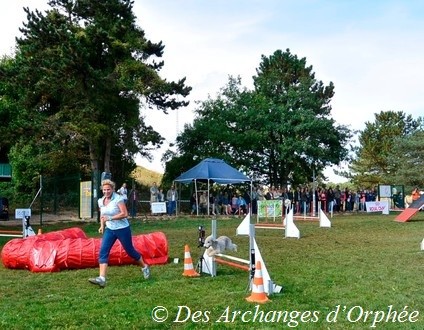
x,y
280,131
215,131
373,162
81,72
407,157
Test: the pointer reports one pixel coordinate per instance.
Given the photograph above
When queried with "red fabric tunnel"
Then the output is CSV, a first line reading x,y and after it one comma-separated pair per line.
x,y
71,249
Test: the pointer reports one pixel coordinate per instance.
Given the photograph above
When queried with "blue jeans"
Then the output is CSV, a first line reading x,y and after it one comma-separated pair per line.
x,y
109,238
171,207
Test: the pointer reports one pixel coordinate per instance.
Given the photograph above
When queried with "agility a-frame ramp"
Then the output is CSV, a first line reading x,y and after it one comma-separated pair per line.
x,y
413,208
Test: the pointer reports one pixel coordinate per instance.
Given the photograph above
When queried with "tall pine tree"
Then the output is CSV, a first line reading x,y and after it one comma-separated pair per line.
x,y
83,69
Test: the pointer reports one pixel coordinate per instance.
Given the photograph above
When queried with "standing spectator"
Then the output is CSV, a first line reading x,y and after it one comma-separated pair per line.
x,y
323,199
255,197
362,200
228,192
203,203
123,192
194,204
248,200
290,196
373,194
226,204
172,197
312,194
349,200
357,200
220,203
297,200
337,197
133,202
161,195
154,191
330,200
304,200
211,199
342,201
214,203
275,193
261,193
269,195
284,196
369,197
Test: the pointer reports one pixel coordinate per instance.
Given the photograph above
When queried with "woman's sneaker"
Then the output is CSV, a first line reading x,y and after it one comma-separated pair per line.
x,y
146,272
97,281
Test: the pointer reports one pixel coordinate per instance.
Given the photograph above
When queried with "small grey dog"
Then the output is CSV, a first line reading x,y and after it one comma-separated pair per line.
x,y
218,245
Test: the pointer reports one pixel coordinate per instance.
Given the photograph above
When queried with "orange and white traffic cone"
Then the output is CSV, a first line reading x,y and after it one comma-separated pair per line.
x,y
258,294
188,264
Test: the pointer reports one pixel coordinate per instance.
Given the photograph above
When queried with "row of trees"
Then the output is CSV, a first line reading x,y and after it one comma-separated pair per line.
x,y
390,150
71,95
282,131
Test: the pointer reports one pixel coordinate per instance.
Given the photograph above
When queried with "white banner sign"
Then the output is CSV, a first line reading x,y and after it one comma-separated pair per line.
x,y
158,207
21,213
382,206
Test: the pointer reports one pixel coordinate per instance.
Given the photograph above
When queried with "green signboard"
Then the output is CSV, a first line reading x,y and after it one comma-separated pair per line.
x,y
270,208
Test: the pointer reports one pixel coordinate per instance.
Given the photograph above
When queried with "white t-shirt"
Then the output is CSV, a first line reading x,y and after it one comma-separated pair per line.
x,y
112,209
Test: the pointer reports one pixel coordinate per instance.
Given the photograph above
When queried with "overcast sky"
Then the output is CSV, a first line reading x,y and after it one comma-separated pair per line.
x,y
371,50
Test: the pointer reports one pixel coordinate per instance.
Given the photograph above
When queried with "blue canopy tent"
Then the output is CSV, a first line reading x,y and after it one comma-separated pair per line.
x,y
213,170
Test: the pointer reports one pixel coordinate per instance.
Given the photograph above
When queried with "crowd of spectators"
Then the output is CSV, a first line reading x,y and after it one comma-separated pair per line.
x,y
233,200
239,199
227,201
328,199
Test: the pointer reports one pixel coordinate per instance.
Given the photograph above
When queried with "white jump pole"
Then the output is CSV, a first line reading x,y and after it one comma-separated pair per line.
x,y
240,260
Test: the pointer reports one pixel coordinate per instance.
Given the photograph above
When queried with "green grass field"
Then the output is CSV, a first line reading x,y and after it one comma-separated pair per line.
x,y
367,267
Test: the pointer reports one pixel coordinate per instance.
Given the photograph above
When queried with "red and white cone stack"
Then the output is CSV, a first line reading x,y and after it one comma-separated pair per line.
x,y
258,294
188,264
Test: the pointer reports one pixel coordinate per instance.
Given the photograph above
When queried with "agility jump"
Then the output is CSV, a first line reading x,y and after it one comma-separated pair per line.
x,y
322,218
210,261
209,264
25,215
288,225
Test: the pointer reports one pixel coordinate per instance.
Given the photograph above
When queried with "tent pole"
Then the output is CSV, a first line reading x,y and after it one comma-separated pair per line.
x,y
197,197
251,197
209,195
178,202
